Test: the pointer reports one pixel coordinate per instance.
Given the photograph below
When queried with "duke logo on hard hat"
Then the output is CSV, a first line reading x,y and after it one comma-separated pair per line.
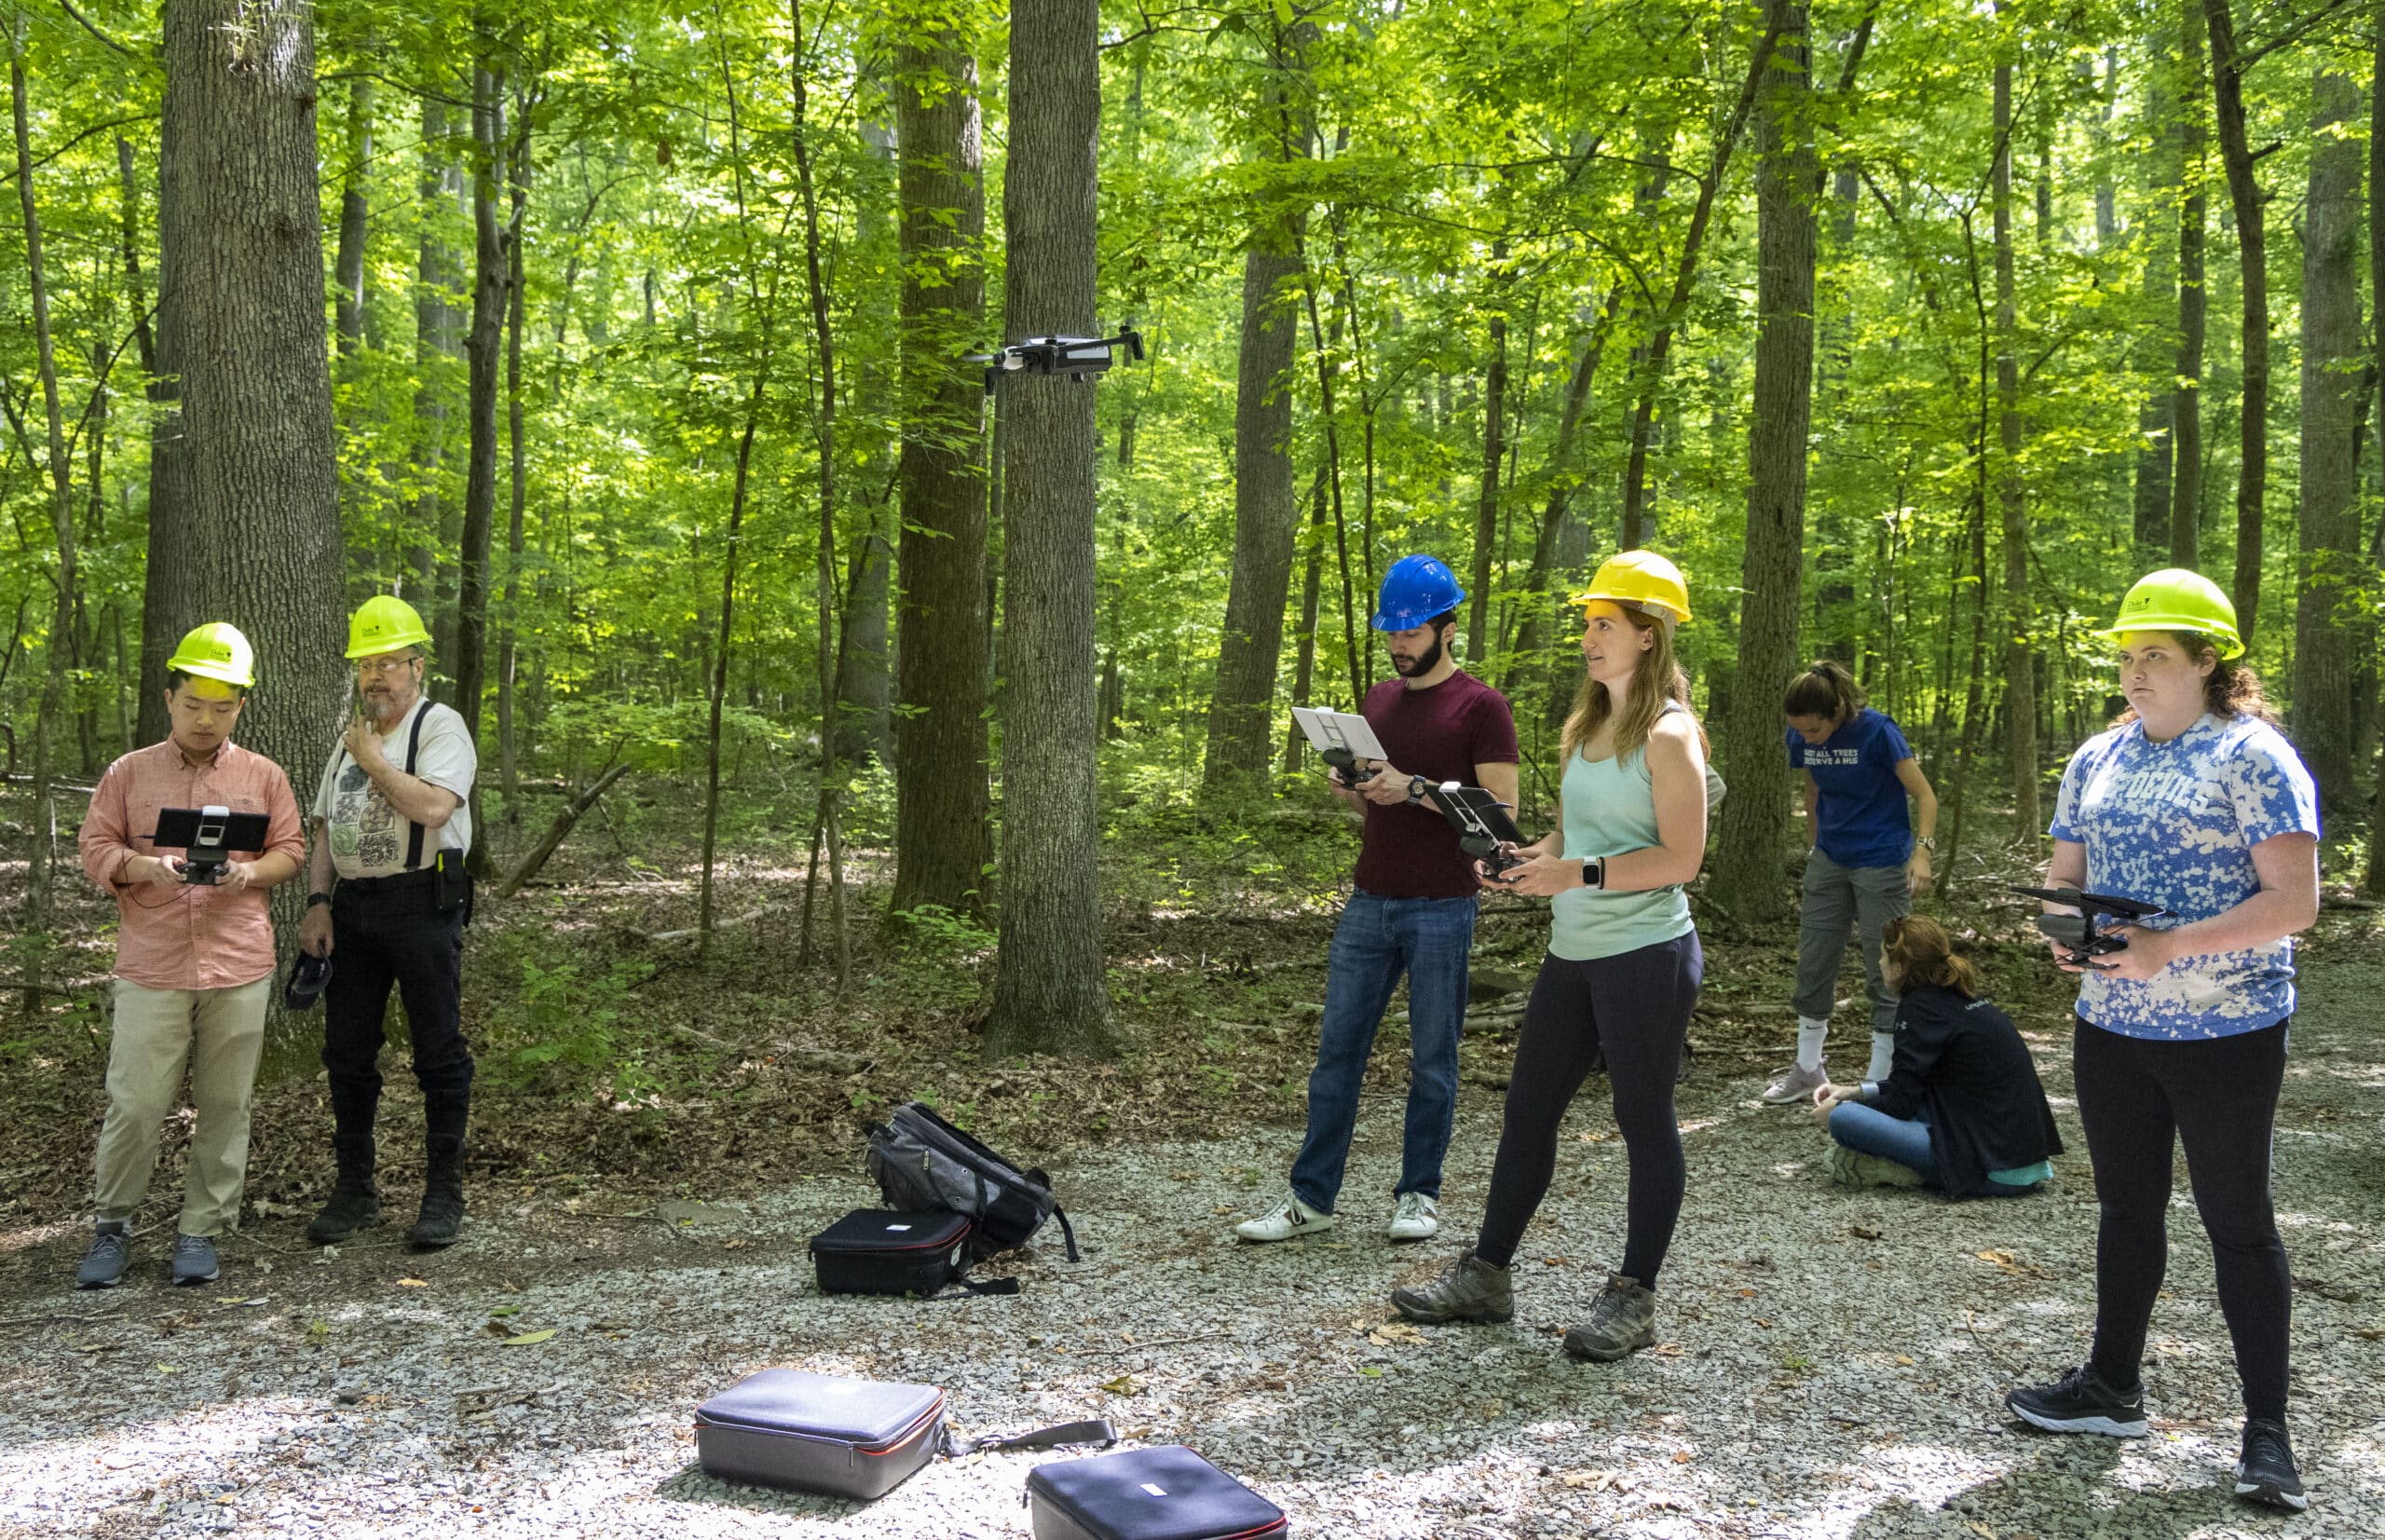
x,y
216,651
1639,579
385,624
2179,598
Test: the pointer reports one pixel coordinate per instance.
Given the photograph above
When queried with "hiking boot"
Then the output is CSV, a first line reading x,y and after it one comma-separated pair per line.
x,y
1416,1219
1791,1083
1853,1168
442,1219
195,1259
352,1207
111,1249
1287,1220
2082,1402
1623,1320
2264,1474
1469,1290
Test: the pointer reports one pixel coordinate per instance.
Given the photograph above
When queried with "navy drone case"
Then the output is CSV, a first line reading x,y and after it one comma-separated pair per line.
x,y
884,1251
1167,1492
824,1433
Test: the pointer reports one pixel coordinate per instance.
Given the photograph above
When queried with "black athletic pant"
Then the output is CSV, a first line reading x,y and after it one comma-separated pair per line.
x,y
1635,1007
2218,1097
386,933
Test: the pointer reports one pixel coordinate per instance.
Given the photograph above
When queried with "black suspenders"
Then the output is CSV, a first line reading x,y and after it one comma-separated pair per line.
x,y
413,744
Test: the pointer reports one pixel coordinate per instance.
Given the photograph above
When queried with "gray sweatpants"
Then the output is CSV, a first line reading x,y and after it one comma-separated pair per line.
x,y
1837,899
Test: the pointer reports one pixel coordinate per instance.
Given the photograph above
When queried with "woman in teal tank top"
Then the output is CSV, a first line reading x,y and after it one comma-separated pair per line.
x,y
1623,965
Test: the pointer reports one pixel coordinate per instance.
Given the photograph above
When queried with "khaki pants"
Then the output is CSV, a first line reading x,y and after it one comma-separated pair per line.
x,y
218,1033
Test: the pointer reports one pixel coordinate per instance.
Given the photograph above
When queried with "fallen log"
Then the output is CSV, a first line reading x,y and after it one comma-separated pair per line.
x,y
557,830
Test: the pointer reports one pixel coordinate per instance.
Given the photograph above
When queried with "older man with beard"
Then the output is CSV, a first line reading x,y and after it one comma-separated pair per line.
x,y
388,895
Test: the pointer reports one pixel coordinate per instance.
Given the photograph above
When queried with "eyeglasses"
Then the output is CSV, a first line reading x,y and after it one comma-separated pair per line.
x,y
382,665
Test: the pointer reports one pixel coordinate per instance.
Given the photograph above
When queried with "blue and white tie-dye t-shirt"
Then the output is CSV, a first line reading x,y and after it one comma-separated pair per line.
x,y
2174,823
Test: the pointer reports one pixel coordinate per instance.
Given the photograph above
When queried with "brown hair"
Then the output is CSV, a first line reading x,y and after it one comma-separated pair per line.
x,y
1826,689
1921,956
1658,678
2230,691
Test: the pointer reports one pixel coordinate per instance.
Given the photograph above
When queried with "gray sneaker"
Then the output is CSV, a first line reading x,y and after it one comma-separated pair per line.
x,y
104,1264
1623,1320
1790,1084
1469,1290
1852,1168
194,1260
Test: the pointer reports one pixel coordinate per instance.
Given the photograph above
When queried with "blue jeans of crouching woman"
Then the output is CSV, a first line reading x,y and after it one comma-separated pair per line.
x,y
1378,940
1869,1131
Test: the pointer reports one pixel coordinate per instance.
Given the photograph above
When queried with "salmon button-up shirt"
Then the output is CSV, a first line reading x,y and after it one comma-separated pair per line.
x,y
187,938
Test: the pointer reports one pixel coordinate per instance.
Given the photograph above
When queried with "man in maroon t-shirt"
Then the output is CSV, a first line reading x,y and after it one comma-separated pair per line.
x,y
1412,909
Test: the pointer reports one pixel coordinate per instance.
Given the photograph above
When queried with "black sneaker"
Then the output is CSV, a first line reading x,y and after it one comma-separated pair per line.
x,y
2265,1473
2080,1402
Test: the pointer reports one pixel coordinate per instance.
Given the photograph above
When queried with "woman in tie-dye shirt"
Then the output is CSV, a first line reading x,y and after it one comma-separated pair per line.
x,y
2194,801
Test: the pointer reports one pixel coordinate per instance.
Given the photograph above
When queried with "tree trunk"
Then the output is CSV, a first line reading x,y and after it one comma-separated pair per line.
x,y
2185,479
864,721
1241,709
434,324
2374,884
2244,195
169,608
2020,648
943,839
55,646
240,236
2170,115
484,348
348,269
1312,586
1052,993
508,745
1494,452
1747,859
2330,489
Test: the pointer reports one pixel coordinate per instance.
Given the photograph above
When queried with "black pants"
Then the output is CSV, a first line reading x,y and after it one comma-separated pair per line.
x,y
2218,1097
382,936
1635,1007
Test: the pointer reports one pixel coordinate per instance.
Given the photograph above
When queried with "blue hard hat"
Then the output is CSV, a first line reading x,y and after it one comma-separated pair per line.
x,y
1416,589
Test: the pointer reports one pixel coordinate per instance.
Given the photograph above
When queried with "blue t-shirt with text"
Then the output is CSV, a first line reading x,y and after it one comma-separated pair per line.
x,y
1859,818
2174,823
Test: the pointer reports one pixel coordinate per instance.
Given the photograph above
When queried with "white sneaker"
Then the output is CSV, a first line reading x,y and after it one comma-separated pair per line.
x,y
1416,1219
1791,1083
1287,1220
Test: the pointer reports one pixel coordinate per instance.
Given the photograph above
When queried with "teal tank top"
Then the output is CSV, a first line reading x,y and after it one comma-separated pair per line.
x,y
1611,808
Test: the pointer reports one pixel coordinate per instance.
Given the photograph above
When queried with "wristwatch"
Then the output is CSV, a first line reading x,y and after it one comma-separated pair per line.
x,y
313,899
1927,842
1594,873
1416,786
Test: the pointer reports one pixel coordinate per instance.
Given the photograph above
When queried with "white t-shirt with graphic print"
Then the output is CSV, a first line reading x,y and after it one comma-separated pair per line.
x,y
368,836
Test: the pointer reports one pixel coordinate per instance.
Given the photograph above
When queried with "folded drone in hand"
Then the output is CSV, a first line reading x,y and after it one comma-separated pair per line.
x,y
2082,934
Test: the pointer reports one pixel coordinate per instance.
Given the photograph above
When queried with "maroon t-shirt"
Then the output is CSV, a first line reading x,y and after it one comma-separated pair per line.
x,y
1441,733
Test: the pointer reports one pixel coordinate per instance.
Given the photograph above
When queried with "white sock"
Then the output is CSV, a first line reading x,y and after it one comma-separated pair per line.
x,y
1810,1033
1884,1057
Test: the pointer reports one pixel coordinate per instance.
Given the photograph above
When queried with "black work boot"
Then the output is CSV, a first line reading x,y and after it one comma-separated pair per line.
x,y
441,1219
355,1202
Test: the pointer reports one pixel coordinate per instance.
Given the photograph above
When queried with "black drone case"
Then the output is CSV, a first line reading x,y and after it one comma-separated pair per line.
x,y
881,1251
820,1433
1163,1493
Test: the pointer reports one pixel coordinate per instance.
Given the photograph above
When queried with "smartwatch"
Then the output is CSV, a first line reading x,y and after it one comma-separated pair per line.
x,y
1416,784
1594,873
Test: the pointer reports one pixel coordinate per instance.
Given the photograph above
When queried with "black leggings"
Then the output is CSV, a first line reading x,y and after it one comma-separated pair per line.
x,y
2218,1097
1635,1007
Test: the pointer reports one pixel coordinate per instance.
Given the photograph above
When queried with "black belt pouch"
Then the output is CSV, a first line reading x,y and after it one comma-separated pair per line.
x,y
823,1433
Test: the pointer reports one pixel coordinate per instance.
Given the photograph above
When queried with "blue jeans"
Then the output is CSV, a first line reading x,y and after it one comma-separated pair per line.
x,y
1378,939
1869,1131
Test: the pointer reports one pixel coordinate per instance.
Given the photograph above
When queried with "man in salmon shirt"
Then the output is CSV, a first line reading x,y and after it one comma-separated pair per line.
x,y
192,964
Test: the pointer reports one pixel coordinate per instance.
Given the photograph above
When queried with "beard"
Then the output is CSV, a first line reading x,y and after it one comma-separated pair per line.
x,y
1424,663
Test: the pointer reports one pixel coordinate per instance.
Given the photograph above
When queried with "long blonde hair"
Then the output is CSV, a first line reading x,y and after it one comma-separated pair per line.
x,y
1658,678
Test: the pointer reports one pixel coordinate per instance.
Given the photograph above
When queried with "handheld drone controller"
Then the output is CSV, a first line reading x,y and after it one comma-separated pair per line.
x,y
1346,765
2082,936
1484,830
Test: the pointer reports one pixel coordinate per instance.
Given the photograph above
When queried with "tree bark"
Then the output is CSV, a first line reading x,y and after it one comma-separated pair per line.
x,y
169,607
1747,857
2374,884
2194,208
348,267
435,341
2020,619
508,745
2332,387
1051,994
1494,453
2167,118
943,821
484,348
864,720
243,317
2245,195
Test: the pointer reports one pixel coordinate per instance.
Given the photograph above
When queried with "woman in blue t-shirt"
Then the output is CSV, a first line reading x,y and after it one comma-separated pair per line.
x,y
1865,867
2196,802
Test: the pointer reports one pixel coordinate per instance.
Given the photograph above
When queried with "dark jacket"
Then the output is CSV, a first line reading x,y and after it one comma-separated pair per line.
x,y
1961,1066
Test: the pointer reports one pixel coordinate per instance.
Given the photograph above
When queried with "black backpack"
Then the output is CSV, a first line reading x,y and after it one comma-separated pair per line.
x,y
920,1160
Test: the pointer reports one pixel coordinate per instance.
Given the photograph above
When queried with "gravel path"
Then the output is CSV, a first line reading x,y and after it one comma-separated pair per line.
x,y
1832,1363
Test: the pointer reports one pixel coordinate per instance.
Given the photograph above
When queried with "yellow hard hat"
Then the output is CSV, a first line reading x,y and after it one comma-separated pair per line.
x,y
2178,598
1642,580
217,651
383,624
